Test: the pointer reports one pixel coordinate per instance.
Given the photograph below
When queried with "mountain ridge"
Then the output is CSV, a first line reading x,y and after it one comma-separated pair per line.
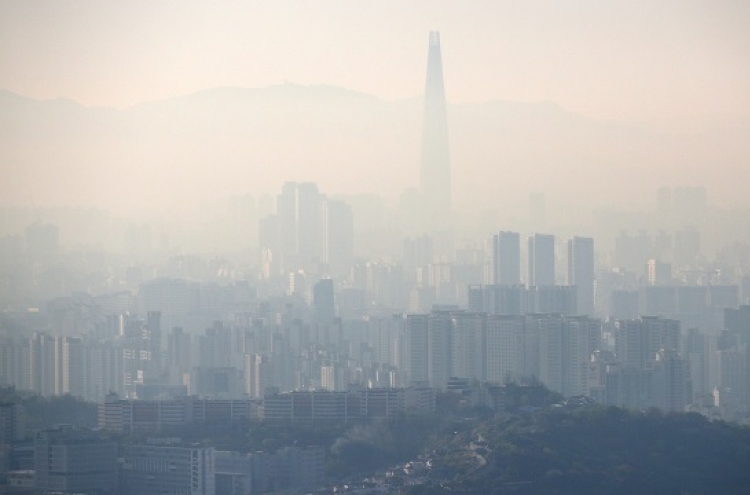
x,y
253,139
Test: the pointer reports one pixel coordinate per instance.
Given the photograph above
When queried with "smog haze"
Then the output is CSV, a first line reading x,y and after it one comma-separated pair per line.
x,y
146,107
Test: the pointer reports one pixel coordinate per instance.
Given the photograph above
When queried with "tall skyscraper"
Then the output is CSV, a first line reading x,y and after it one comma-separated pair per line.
x,y
436,165
541,260
581,272
506,258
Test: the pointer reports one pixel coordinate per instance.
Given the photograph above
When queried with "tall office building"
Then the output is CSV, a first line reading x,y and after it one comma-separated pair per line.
x,y
506,258
581,272
541,260
436,165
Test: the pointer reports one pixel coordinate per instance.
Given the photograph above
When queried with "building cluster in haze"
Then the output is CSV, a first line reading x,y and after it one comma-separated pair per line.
x,y
307,318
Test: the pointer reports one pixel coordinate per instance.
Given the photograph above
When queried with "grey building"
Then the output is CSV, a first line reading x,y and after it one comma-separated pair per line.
x,y
541,260
506,258
581,272
166,466
69,460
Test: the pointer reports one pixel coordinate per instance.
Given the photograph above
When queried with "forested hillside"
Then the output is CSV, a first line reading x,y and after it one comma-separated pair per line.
x,y
596,450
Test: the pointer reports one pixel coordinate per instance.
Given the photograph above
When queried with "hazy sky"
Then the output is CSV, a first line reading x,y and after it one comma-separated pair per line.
x,y
605,59
677,72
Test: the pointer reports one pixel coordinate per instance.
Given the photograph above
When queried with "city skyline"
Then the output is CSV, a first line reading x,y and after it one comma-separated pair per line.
x,y
251,247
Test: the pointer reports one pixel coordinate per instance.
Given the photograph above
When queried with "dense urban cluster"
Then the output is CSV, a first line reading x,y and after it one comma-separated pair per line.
x,y
380,340
337,310
666,342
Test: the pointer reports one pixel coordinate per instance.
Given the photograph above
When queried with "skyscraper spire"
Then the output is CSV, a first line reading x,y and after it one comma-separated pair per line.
x,y
436,165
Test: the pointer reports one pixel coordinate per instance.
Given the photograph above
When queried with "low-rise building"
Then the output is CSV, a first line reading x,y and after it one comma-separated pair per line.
x,y
166,466
71,460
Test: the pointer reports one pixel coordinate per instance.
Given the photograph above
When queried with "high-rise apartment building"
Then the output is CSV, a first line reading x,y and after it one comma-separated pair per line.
x,y
439,336
40,358
498,299
154,343
638,341
559,299
416,330
300,216
308,231
506,258
505,348
732,377
541,260
671,384
581,272
179,355
338,237
564,345
72,377
258,374
468,344
324,302
658,273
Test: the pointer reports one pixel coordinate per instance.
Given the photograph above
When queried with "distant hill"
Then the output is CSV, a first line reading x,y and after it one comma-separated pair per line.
x,y
225,141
